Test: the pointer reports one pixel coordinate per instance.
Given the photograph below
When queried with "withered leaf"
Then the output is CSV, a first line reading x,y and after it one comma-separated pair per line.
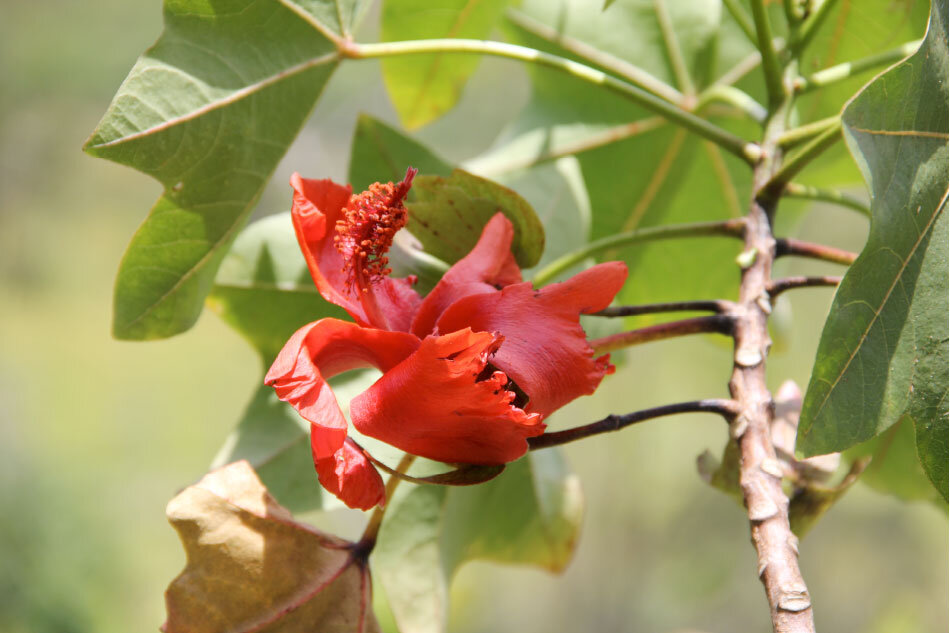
x,y
251,567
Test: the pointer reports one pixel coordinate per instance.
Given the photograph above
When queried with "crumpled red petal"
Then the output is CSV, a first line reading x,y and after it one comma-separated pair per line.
x,y
545,350
443,404
351,476
318,205
320,350
488,267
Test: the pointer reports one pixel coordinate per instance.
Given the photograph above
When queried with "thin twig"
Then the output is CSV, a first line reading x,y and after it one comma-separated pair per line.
x,y
803,157
846,70
368,539
770,65
636,93
797,190
620,67
725,228
717,324
808,131
725,408
778,286
718,306
813,23
742,19
789,246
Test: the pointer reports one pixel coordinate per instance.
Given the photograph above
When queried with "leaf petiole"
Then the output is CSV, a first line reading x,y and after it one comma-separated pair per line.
x,y
727,228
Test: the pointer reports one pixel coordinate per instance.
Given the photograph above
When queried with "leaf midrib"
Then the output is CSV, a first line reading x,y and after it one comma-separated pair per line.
x,y
877,312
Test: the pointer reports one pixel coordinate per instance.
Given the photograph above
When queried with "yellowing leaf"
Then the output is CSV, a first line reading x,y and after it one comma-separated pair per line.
x,y
251,567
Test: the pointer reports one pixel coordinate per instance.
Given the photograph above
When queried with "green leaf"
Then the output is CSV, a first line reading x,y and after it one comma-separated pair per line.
x,y
208,111
895,468
263,288
883,352
331,17
424,87
381,153
554,189
447,216
275,440
852,31
634,164
529,514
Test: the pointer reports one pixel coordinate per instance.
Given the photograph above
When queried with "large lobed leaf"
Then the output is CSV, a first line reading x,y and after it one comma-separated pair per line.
x,y
634,164
251,567
424,87
208,111
530,514
263,288
883,352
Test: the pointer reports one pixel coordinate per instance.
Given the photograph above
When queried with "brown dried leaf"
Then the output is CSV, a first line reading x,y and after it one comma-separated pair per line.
x,y
252,568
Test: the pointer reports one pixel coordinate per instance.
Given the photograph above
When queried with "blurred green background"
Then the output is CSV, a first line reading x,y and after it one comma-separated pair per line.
x,y
96,435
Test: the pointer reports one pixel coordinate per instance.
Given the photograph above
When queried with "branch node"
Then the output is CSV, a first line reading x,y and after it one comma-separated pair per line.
x,y
773,467
794,599
748,356
761,507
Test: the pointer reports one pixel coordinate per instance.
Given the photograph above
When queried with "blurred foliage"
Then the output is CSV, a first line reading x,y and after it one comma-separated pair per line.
x,y
96,436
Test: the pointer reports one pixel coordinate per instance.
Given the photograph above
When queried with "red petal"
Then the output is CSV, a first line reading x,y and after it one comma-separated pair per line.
x,y
318,205
434,404
351,476
488,267
320,350
545,350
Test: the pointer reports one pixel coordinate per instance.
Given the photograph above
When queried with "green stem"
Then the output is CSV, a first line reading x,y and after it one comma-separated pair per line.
x,y
637,94
742,19
728,228
797,190
673,49
795,163
368,539
770,63
811,25
620,67
794,136
734,97
846,70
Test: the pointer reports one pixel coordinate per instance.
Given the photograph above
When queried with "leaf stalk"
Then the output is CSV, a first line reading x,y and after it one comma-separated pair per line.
x,y
728,228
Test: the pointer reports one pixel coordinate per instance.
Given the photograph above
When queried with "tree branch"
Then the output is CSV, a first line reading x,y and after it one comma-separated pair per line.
x,y
760,481
788,246
777,287
725,408
718,324
718,306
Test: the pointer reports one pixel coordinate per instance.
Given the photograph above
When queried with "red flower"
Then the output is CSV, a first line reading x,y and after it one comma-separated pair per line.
x,y
469,372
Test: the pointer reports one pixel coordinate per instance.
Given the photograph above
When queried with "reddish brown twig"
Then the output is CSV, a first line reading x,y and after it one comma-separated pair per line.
x,y
725,408
777,287
718,324
788,246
